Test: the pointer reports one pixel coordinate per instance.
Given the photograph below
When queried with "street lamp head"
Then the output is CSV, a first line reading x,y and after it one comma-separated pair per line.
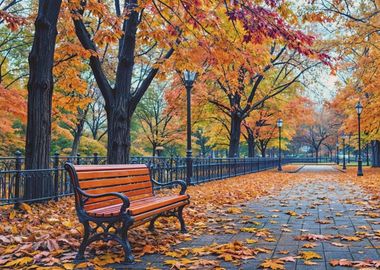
x,y
359,108
337,144
279,123
344,136
189,77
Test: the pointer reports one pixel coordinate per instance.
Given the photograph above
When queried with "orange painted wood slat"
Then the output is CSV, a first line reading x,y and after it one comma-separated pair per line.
x,y
114,182
160,210
139,207
86,175
115,210
84,168
140,187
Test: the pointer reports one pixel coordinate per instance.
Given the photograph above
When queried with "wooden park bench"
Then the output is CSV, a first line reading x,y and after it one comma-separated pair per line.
x,y
110,199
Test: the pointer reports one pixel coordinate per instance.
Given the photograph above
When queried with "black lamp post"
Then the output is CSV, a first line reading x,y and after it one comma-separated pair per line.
x,y
344,137
359,109
188,79
337,153
279,125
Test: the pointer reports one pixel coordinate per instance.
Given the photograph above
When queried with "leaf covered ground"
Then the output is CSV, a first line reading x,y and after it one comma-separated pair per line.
x,y
48,235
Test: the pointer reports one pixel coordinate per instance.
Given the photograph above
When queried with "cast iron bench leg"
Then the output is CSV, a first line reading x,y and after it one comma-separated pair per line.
x,y
181,220
80,255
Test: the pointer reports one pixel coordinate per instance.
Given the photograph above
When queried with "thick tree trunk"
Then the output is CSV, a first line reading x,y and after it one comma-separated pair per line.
x,y
251,145
235,133
263,152
119,134
40,92
375,153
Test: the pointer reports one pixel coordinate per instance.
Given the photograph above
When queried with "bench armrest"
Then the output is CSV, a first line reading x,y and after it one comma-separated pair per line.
x,y
121,196
176,182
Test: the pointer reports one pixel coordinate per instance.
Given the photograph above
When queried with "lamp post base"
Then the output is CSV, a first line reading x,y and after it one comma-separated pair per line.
x,y
279,168
189,167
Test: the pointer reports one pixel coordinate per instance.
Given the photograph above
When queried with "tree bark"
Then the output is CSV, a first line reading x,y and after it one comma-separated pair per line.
x,y
263,152
120,100
235,133
316,155
375,153
77,136
40,92
119,134
251,144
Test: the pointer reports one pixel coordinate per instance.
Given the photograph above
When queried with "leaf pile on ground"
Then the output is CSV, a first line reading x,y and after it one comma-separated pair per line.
x,y
48,235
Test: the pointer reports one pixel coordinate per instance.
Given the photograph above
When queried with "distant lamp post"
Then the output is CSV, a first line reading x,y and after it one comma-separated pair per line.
x,y
159,150
188,80
337,153
344,137
359,109
279,125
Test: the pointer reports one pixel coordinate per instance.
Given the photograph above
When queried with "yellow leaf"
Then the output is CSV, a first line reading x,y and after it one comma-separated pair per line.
x,y
249,230
26,208
291,213
20,261
273,264
309,245
12,214
234,210
308,255
68,266
251,241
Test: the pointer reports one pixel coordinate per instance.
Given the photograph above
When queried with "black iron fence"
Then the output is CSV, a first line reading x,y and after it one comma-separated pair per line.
x,y
20,185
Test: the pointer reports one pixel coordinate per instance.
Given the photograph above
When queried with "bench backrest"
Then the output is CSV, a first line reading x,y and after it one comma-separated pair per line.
x,y
133,180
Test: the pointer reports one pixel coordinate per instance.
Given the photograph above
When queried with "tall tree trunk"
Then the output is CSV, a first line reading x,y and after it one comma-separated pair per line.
x,y
77,136
263,151
375,153
119,135
316,155
235,133
251,144
120,100
40,92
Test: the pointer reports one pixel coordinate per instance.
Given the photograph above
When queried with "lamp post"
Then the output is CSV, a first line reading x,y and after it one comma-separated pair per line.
x,y
337,153
359,109
188,79
279,125
344,137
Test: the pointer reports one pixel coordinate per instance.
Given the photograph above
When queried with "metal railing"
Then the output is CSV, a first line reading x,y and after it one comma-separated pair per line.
x,y
20,185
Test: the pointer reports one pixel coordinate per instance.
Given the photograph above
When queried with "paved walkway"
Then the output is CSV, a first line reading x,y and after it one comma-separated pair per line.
x,y
318,168
280,225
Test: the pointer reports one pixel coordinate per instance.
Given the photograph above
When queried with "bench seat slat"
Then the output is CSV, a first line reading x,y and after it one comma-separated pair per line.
x,y
160,210
140,206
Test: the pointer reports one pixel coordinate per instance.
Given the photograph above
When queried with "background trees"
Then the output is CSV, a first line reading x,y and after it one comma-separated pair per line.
x,y
117,64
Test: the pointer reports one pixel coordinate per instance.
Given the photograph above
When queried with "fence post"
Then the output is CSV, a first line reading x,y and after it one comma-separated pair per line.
x,y
78,159
56,169
17,180
96,159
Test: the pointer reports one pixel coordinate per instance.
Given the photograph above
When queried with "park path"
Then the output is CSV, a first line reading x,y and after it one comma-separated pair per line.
x,y
317,206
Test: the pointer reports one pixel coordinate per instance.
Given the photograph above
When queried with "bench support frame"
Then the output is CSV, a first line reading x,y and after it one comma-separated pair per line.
x,y
120,223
